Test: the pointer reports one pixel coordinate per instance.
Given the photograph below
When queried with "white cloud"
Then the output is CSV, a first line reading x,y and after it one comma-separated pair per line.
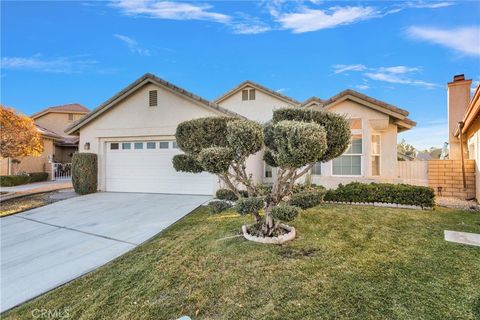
x,y
463,39
246,24
55,65
363,86
429,5
281,90
132,45
395,78
398,69
340,68
307,19
171,10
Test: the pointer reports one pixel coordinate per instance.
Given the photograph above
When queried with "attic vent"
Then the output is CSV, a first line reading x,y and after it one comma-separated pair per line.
x,y
152,98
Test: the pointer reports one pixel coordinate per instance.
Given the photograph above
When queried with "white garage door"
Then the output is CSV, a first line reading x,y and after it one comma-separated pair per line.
x,y
146,166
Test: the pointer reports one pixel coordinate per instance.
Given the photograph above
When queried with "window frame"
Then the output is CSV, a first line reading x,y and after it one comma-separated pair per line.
x,y
355,132
265,166
373,154
160,143
114,143
71,117
126,143
316,165
150,142
137,143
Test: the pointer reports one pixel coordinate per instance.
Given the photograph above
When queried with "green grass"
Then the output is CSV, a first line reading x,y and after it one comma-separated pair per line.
x,y
347,263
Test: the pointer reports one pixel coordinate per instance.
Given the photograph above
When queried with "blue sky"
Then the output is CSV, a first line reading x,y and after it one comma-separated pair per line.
x,y
403,53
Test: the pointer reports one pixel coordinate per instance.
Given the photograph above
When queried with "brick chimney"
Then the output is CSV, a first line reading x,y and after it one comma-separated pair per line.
x,y
458,95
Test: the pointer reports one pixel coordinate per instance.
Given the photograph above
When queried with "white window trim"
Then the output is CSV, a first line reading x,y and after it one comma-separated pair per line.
x,y
265,171
376,154
362,158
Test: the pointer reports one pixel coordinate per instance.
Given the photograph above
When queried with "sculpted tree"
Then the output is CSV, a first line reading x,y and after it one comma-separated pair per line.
x,y
18,135
293,141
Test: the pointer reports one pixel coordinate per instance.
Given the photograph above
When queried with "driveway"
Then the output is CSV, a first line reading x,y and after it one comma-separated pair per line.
x,y
49,246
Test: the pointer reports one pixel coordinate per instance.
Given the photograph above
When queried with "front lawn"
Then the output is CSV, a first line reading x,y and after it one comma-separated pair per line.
x,y
347,262
17,205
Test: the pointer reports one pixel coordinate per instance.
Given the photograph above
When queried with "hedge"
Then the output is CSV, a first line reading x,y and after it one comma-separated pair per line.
x,y
226,194
307,199
383,192
84,172
218,206
16,180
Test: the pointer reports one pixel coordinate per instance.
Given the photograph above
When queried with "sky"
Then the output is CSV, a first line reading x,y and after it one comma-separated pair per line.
x,y
403,53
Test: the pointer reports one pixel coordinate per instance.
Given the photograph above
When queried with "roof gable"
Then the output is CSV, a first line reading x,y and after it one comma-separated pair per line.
x,y
136,85
66,108
259,87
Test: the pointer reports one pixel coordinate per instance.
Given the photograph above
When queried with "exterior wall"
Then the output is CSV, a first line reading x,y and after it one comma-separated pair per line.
x,y
56,121
458,93
260,109
133,119
34,164
4,163
447,175
373,122
473,147
64,154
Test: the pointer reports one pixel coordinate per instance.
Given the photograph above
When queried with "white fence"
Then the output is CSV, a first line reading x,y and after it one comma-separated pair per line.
x,y
413,172
61,171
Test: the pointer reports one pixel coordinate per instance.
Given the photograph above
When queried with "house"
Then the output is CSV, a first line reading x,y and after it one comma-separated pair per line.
x,y
57,145
464,124
133,135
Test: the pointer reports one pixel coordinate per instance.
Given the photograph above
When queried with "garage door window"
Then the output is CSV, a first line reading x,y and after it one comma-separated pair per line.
x,y
163,144
126,146
150,145
138,145
113,146
174,145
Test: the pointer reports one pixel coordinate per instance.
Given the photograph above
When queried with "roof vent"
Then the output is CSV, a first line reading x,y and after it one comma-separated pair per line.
x,y
458,77
153,98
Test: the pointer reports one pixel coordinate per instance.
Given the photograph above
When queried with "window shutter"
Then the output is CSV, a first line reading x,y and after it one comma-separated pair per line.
x,y
244,95
153,98
252,94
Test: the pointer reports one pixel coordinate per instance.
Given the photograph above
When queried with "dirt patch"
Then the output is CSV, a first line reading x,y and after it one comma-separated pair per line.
x,y
291,253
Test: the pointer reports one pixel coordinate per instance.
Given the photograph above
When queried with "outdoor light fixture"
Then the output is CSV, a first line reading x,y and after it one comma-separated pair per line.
x,y
86,146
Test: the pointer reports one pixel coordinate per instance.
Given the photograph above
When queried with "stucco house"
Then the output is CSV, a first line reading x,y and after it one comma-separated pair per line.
x,y
133,135
57,145
464,123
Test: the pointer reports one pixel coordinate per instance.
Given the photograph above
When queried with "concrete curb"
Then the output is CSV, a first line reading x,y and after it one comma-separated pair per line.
x,y
381,204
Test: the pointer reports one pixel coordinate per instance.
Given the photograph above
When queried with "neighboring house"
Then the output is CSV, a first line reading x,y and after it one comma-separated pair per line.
x,y
57,145
133,135
464,123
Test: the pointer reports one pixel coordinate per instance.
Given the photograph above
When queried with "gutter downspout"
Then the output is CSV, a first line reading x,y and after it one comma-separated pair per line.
x,y
460,127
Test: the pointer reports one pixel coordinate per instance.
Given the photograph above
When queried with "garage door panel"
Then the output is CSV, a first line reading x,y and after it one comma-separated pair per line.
x,y
152,171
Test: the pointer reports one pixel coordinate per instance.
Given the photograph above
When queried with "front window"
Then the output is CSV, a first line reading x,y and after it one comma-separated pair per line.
x,y
248,94
268,171
317,169
375,155
70,116
350,163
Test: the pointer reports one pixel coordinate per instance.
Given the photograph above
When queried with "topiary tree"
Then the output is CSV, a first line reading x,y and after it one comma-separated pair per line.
x,y
293,141
84,172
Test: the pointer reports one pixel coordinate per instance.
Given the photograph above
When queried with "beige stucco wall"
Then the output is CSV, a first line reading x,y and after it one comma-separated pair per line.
x,y
56,121
133,119
33,164
473,147
260,109
373,122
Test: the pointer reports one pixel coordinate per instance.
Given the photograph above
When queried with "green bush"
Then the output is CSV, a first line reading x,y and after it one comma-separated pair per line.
x,y
308,198
285,212
218,206
307,187
38,176
383,192
249,205
84,172
10,181
226,194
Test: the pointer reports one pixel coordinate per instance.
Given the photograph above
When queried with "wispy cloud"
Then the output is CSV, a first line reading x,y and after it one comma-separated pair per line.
x,y
464,39
363,86
171,10
75,64
429,4
247,24
307,20
341,68
392,74
132,45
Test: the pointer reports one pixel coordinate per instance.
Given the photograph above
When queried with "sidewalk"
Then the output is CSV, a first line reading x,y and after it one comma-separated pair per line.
x,y
31,188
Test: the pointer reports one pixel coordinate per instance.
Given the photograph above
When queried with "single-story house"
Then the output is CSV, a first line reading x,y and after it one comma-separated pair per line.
x,y
58,147
133,135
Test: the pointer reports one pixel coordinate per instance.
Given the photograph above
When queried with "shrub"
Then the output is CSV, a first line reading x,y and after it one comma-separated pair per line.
x,y
226,194
243,193
38,176
308,198
285,212
383,192
84,172
10,181
307,187
218,206
249,205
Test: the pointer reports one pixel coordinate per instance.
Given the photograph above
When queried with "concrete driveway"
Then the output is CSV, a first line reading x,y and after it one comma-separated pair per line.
x,y
49,246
